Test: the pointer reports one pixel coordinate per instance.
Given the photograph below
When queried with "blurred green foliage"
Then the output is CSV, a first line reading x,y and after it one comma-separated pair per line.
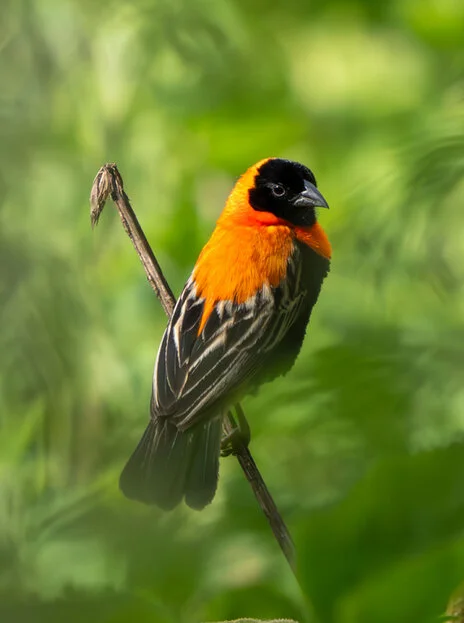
x,y
362,444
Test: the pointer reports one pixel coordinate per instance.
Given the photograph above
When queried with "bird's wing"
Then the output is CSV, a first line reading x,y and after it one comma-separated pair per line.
x,y
193,372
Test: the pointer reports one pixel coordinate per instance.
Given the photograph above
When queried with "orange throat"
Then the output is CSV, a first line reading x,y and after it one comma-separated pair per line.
x,y
315,238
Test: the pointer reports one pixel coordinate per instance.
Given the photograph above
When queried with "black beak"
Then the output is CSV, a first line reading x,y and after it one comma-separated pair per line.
x,y
310,197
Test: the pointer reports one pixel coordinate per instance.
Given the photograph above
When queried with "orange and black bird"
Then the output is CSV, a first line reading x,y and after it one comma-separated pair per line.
x,y
239,322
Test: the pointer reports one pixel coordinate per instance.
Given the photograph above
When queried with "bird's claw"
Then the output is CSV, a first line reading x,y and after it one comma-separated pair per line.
x,y
239,437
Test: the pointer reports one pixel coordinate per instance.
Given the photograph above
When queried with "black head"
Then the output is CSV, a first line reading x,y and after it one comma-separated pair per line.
x,y
288,190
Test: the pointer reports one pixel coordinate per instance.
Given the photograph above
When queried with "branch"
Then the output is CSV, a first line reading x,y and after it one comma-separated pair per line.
x,y
109,182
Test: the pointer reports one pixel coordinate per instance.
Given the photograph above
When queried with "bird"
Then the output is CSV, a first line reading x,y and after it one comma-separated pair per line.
x,y
239,322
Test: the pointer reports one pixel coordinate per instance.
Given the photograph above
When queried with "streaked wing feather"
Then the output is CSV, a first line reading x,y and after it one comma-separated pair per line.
x,y
193,372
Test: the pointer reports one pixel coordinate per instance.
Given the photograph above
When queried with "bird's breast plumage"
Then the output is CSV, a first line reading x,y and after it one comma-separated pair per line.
x,y
238,260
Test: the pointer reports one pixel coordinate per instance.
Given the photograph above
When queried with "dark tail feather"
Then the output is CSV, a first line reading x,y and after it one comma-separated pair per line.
x,y
156,471
168,464
203,473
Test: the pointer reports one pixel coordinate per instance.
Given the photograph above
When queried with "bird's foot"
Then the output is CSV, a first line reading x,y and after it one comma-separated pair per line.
x,y
238,437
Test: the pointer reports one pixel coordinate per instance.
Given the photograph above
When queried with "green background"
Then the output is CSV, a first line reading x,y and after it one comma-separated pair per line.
x,y
362,443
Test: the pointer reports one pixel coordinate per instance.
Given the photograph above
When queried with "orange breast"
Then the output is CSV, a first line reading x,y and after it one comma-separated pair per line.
x,y
238,261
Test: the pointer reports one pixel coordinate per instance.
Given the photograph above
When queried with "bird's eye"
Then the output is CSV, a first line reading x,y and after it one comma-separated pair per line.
x,y
278,190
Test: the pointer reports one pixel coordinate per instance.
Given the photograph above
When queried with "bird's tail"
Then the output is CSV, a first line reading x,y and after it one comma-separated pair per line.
x,y
169,464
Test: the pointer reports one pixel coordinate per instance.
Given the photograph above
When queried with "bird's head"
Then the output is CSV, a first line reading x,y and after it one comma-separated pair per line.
x,y
287,190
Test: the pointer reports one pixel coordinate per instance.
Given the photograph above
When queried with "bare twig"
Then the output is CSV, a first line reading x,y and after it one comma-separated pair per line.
x,y
108,182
